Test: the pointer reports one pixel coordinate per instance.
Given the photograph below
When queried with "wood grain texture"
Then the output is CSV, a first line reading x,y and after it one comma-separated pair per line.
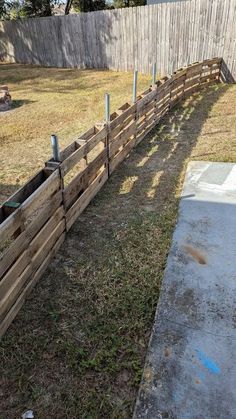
x,y
7,320
82,202
31,233
170,34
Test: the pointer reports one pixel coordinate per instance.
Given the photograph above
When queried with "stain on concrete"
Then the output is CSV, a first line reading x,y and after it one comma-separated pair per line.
x,y
196,254
192,350
202,225
167,352
184,300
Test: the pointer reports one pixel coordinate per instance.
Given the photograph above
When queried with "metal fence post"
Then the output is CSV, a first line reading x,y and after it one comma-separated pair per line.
x,y
55,148
107,107
154,72
135,82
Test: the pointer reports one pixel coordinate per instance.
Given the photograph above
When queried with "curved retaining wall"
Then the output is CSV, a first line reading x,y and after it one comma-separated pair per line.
x,y
35,220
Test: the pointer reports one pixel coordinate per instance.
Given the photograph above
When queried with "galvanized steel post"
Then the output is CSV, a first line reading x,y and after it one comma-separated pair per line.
x,y
107,107
135,82
55,148
154,72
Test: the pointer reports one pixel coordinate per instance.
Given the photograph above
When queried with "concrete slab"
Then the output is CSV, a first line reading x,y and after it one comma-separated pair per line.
x,y
190,371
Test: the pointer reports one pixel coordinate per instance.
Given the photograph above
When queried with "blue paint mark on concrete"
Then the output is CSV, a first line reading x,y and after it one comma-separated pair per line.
x,y
176,398
208,363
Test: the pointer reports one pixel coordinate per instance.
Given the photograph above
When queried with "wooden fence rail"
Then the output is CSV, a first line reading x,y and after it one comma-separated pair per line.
x,y
171,34
34,221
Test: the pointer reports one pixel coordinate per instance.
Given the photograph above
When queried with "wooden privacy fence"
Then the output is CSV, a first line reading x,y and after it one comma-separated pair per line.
x,y
34,221
171,34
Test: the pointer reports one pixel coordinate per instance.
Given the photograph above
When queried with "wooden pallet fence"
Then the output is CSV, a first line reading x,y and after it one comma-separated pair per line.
x,y
30,236
34,221
90,156
121,133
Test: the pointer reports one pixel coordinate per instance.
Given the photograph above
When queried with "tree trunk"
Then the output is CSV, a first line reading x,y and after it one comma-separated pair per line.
x,y
68,7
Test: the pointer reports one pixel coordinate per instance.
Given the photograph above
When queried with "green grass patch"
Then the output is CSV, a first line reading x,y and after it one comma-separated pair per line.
x,y
78,345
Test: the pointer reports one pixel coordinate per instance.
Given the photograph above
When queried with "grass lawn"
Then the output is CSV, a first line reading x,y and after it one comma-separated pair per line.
x,y
49,101
77,347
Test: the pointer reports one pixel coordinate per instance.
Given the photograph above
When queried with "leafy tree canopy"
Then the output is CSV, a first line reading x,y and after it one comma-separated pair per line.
x,y
89,5
14,9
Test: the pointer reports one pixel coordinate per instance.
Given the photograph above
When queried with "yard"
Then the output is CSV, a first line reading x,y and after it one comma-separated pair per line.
x,y
49,101
77,347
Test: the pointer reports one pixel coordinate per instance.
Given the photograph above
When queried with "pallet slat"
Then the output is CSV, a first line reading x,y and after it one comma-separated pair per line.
x,y
22,241
116,131
120,118
82,151
116,160
5,323
38,197
122,138
85,198
30,259
83,178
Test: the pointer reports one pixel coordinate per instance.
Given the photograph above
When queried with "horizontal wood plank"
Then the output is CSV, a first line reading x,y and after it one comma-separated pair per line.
x,y
85,198
71,148
41,195
7,320
119,119
122,138
116,131
116,160
146,99
9,289
10,226
82,151
150,106
22,241
83,178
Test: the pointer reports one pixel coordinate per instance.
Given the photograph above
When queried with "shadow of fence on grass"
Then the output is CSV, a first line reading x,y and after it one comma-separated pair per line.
x,y
166,149
75,320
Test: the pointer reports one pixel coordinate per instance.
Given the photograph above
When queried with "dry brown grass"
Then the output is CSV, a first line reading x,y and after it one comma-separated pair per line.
x,y
77,347
65,102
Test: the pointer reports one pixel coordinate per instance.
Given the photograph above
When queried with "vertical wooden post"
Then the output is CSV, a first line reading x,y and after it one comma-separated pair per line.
x,y
185,78
57,165
55,148
221,70
135,82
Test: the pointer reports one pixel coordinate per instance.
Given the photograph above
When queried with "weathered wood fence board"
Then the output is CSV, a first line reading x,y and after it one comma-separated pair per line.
x,y
170,34
33,222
